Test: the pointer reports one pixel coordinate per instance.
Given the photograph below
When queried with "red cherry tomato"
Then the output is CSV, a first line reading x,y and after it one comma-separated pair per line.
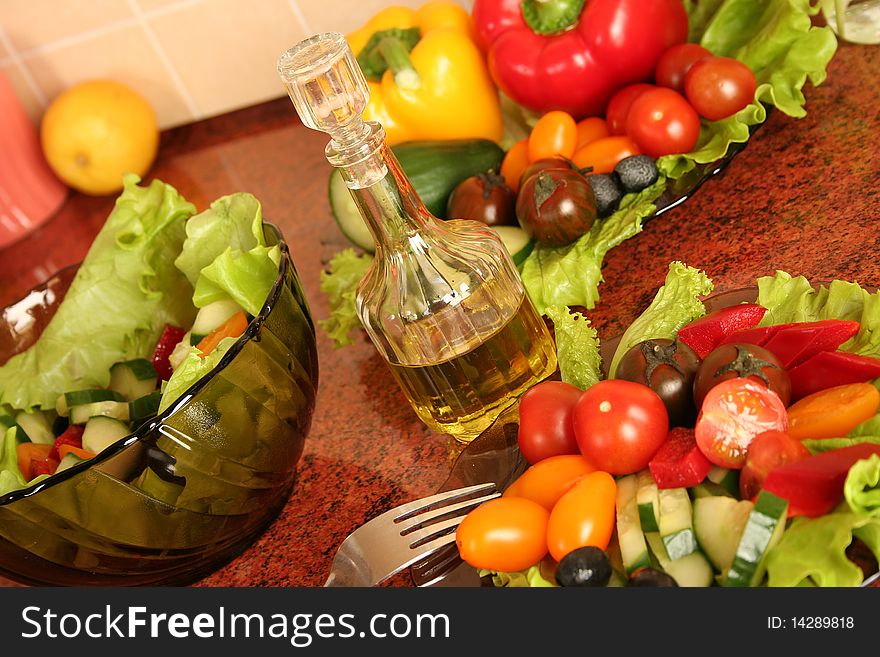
x,y
719,87
618,106
619,425
505,534
545,425
661,121
767,451
675,62
733,413
547,481
583,516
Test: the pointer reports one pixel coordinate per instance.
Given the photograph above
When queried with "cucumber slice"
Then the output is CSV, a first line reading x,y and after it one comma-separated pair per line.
x,y
88,396
7,421
213,315
718,524
37,425
70,459
132,379
348,217
692,570
676,522
100,432
726,478
709,489
648,499
144,407
633,549
117,410
518,244
763,530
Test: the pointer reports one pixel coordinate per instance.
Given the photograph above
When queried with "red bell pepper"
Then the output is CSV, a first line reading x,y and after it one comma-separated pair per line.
x,y
72,435
679,463
814,486
795,343
704,334
171,335
565,55
828,369
46,466
757,336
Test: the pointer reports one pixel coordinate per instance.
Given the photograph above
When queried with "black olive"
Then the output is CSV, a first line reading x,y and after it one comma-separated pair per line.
x,y
586,566
636,172
607,192
651,577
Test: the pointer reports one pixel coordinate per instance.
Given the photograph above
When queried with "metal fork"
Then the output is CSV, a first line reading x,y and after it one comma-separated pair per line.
x,y
406,534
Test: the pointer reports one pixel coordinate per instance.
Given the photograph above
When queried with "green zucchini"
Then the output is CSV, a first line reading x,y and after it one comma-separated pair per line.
x,y
516,241
131,379
719,521
433,167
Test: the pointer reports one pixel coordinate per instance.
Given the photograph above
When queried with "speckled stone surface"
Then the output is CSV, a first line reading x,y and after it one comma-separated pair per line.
x,y
804,196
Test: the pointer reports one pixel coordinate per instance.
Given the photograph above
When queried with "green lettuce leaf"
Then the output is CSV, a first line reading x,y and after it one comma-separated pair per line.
x,y
339,283
10,476
812,551
777,40
819,445
191,369
570,275
861,490
577,347
125,291
531,577
676,303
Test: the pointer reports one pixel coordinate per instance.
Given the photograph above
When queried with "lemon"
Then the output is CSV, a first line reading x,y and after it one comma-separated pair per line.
x,y
96,131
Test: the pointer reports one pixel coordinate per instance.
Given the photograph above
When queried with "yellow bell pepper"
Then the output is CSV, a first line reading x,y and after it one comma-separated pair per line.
x,y
441,88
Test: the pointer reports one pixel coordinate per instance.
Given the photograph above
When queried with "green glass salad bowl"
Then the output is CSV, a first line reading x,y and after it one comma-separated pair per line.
x,y
193,486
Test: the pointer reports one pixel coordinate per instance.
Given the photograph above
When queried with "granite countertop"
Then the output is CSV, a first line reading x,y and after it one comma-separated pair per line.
x,y
804,196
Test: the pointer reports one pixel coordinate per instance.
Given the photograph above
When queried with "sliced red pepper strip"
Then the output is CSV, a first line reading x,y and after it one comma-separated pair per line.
x,y
231,328
171,335
829,369
72,435
28,453
85,454
704,334
679,463
794,343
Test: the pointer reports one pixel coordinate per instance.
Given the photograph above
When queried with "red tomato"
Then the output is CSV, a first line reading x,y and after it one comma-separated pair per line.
x,y
619,425
547,481
618,106
583,516
662,122
545,420
505,534
675,62
767,451
719,87
733,413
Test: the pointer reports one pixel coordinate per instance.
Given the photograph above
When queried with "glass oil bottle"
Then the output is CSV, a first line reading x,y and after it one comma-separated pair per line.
x,y
442,301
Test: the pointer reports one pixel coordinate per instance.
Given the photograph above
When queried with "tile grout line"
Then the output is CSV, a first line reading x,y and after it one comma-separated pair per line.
x,y
176,80
300,16
17,61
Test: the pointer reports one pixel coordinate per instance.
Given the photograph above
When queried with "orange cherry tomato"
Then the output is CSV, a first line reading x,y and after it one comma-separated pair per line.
x,y
553,135
589,130
514,163
604,154
547,480
506,534
583,516
833,412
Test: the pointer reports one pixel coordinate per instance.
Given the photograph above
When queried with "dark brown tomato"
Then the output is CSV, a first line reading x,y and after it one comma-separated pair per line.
x,y
544,164
556,206
668,367
747,361
485,198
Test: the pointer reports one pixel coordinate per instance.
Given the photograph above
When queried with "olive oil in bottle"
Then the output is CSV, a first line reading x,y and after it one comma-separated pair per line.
x,y
442,301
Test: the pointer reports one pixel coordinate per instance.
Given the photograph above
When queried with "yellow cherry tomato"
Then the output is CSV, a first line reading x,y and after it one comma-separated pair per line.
x,y
554,134
589,130
514,163
548,479
603,154
583,516
506,534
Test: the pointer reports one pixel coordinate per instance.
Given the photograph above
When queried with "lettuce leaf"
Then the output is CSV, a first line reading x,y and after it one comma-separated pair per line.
x,y
676,303
125,291
570,275
191,369
577,347
10,476
531,577
861,489
777,40
819,445
339,283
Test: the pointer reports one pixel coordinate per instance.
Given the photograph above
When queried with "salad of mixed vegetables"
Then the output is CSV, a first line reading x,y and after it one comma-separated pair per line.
x,y
734,448
161,295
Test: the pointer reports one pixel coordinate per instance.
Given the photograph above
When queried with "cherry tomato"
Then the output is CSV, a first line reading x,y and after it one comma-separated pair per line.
x,y
545,164
556,206
746,361
661,122
833,412
719,87
667,367
547,480
618,106
554,134
583,516
603,154
515,160
733,413
767,451
619,425
485,198
506,534
545,427
590,129
675,62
